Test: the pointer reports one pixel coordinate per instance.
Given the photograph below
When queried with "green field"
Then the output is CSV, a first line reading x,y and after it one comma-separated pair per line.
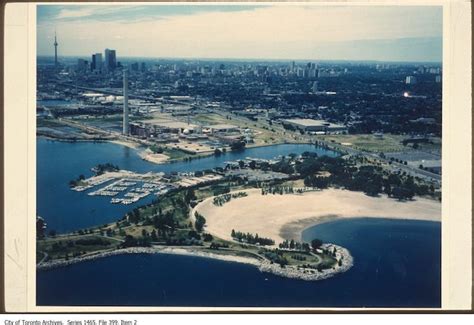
x,y
368,142
59,247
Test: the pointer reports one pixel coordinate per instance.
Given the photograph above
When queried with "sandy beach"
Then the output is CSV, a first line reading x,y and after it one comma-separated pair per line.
x,y
283,217
156,158
129,144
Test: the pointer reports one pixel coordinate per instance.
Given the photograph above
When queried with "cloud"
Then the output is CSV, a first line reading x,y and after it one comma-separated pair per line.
x,y
269,31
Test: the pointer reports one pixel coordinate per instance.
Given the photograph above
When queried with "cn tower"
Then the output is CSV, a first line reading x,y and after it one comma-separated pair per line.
x,y
55,50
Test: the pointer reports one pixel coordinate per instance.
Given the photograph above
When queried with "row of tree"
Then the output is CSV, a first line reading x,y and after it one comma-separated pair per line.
x,y
224,198
251,239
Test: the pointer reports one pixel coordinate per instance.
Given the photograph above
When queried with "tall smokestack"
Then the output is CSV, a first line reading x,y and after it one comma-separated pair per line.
x,y
125,101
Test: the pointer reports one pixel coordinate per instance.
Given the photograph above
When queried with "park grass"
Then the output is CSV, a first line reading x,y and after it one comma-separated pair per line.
x,y
46,245
176,154
368,142
210,118
310,259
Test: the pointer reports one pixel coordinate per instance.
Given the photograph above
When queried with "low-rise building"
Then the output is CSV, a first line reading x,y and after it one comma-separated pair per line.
x,y
223,128
310,125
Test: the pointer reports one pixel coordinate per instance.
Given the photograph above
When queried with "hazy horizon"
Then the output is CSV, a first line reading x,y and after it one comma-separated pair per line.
x,y
244,32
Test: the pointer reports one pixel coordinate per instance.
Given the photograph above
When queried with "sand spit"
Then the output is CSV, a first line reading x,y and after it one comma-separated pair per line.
x,y
283,217
293,272
156,158
129,144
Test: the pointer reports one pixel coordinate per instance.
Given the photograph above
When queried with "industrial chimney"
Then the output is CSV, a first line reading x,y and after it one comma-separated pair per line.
x,y
125,102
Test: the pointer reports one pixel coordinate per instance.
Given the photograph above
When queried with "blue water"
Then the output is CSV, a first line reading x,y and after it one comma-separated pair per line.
x,y
59,162
397,264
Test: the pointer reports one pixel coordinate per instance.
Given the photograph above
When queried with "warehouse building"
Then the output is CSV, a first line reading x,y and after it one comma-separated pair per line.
x,y
310,125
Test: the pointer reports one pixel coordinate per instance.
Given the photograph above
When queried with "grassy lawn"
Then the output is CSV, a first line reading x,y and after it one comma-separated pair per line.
x,y
368,142
60,246
176,153
210,118
327,261
292,258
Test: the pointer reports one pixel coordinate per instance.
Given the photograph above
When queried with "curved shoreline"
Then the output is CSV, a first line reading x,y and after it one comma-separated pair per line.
x,y
291,272
295,229
283,217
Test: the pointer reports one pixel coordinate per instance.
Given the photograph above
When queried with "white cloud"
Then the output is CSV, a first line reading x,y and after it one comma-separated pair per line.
x,y
273,31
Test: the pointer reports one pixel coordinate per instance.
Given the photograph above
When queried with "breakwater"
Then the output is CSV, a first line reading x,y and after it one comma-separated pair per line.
x,y
293,272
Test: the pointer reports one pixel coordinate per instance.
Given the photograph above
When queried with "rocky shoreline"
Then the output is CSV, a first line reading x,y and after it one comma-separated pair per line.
x,y
309,274
292,272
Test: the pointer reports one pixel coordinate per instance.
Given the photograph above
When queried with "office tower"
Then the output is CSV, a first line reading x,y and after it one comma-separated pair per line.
x,y
315,87
110,59
55,50
96,64
125,101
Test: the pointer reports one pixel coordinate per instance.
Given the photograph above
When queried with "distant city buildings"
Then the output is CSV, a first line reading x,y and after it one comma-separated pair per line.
x,y
96,63
110,59
410,80
82,65
99,63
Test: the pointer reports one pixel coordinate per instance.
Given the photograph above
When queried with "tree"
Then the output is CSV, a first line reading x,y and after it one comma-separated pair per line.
x,y
316,243
200,221
236,146
189,196
154,237
129,241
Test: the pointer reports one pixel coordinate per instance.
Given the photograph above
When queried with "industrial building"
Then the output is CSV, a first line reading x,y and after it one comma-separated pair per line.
x,y
310,125
223,128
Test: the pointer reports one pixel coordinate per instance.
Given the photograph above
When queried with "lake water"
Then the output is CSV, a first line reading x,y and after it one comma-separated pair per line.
x,y
397,264
59,162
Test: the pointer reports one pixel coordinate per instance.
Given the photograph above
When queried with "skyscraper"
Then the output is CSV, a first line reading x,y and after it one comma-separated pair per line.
x,y
55,50
125,102
96,64
110,59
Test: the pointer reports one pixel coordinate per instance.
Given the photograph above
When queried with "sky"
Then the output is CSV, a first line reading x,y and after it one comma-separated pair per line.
x,y
286,32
